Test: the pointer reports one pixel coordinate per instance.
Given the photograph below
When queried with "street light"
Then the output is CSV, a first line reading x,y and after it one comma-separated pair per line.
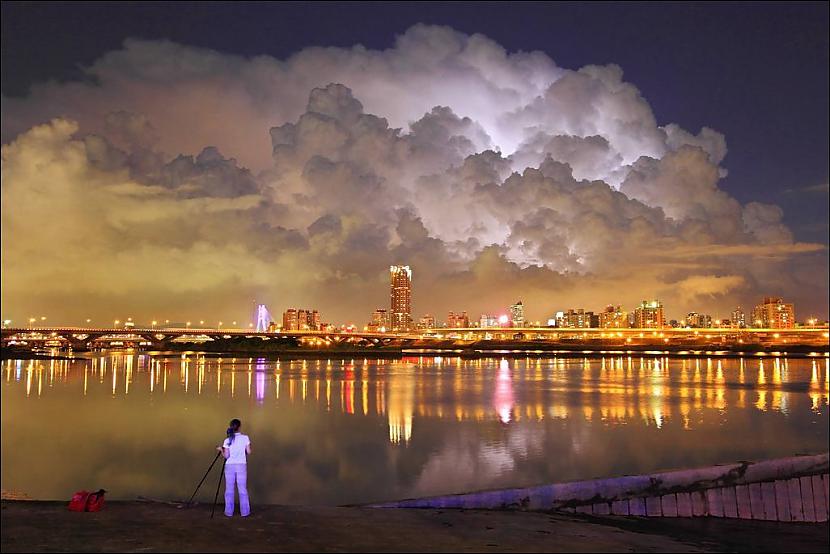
x,y
188,324
154,323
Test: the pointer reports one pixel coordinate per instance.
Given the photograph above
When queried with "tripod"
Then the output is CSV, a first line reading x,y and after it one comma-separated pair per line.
x,y
203,478
219,484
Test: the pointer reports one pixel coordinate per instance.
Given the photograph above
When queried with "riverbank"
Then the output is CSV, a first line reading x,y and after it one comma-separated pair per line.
x,y
35,526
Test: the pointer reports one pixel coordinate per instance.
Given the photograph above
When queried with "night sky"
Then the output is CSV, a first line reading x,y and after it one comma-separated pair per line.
x,y
757,74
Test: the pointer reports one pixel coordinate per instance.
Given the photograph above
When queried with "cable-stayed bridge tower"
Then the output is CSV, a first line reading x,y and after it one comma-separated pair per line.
x,y
262,318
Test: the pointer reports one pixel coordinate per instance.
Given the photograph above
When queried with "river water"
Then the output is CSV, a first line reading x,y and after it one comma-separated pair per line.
x,y
349,431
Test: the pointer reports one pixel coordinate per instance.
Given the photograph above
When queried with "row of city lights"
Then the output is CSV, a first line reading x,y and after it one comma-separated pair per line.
x,y
503,320
117,322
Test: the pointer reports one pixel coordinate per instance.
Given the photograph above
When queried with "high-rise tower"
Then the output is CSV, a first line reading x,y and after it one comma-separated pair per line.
x,y
401,297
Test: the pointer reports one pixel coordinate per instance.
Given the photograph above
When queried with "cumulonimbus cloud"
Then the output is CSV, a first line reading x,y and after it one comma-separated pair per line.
x,y
181,173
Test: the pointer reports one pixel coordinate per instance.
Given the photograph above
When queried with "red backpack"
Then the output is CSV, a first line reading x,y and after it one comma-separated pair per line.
x,y
85,501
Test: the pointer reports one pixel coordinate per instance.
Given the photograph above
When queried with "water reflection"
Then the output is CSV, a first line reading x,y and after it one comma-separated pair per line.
x,y
619,389
503,397
401,406
357,430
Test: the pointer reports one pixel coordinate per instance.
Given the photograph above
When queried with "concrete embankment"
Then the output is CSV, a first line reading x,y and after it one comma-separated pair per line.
x,y
785,489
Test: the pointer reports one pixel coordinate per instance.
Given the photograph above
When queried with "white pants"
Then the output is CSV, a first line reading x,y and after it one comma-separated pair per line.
x,y
236,474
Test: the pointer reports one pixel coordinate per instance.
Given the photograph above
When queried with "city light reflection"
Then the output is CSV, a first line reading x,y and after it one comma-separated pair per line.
x,y
614,390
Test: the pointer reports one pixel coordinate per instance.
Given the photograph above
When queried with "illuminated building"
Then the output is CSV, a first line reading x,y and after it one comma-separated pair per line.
x,y
427,322
613,317
738,318
773,313
517,314
294,319
576,319
401,297
314,319
289,320
380,321
456,320
691,319
488,320
649,315
699,321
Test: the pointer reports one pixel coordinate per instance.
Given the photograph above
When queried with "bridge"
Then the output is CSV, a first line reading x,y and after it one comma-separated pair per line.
x,y
160,337
81,338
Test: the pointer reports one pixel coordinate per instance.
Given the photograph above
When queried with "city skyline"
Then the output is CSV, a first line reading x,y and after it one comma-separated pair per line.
x,y
769,312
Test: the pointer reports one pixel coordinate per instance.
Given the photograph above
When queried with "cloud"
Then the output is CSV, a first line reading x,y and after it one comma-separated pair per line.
x,y
186,177
811,189
708,285
190,94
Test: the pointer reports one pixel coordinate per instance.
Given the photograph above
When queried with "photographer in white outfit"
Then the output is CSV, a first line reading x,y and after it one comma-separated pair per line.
x,y
235,449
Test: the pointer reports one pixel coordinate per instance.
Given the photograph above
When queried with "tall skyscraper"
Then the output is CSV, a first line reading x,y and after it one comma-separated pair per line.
x,y
401,297
773,313
517,314
649,315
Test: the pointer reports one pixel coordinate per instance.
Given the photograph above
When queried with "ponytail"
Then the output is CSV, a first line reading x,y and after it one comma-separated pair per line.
x,y
234,427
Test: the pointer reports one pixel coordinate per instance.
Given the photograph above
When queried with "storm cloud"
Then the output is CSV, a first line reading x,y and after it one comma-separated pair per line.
x,y
184,183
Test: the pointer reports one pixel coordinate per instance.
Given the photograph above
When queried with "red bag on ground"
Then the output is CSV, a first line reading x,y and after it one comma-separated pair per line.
x,y
78,502
85,501
95,502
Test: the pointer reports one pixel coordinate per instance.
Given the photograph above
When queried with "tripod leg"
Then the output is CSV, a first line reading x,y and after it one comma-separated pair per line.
x,y
219,484
203,478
